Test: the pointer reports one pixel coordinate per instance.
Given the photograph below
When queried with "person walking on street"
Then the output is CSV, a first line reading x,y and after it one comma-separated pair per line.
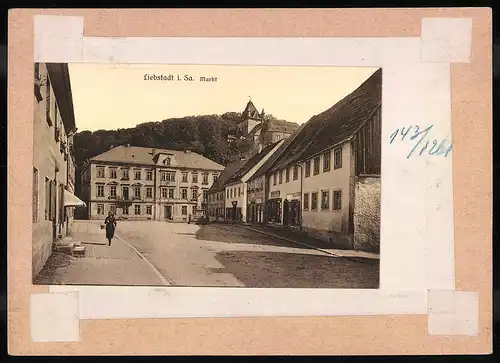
x,y
110,223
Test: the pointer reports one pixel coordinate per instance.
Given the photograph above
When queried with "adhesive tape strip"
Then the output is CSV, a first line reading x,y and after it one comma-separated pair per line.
x,y
58,39
446,40
55,317
453,312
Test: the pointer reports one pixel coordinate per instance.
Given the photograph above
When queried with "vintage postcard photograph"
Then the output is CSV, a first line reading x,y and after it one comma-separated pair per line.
x,y
207,176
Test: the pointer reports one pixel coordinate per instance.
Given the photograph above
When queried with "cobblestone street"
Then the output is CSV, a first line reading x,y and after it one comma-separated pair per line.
x,y
205,255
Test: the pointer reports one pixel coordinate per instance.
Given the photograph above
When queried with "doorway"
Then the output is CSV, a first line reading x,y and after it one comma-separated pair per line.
x,y
286,213
168,212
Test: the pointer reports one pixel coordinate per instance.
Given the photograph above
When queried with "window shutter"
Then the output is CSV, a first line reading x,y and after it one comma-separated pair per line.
x,y
61,210
52,200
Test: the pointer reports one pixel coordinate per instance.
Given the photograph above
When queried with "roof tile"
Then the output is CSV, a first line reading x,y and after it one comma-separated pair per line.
x,y
144,156
335,124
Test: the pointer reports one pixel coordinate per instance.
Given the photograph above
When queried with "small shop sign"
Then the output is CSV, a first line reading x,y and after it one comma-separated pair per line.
x,y
275,194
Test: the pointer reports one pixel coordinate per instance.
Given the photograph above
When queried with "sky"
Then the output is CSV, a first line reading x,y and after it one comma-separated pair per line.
x,y
112,96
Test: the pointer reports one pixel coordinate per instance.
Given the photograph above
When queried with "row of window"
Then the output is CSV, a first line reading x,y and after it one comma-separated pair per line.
x,y
164,175
311,200
51,190
256,185
337,164
52,113
125,173
165,192
136,191
138,209
216,197
169,193
234,192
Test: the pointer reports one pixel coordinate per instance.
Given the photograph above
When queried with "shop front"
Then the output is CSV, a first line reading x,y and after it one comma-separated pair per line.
x,y
255,211
274,208
291,210
234,213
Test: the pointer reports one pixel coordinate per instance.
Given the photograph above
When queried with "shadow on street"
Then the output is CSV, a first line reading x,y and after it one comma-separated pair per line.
x,y
234,234
294,270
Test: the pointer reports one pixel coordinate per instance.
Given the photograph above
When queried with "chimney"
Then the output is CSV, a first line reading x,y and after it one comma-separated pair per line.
x,y
153,152
111,146
128,145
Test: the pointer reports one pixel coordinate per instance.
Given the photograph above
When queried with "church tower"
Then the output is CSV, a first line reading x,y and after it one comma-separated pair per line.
x,y
250,118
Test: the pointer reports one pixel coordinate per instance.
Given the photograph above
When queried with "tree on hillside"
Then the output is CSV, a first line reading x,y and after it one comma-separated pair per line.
x,y
204,134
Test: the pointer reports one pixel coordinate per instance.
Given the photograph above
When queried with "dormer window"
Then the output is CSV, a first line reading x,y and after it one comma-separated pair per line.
x,y
166,161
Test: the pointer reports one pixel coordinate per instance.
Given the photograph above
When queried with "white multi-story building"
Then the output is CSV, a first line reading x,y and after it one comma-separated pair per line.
x,y
148,183
53,160
327,181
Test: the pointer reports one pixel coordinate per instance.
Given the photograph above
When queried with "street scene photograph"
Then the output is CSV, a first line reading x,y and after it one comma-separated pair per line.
x,y
206,175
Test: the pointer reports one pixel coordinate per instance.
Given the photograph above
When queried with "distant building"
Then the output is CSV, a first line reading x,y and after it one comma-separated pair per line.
x,y
328,177
148,184
53,160
236,185
258,185
216,193
262,129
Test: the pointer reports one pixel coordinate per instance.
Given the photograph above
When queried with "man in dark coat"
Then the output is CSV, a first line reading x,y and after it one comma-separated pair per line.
x,y
110,223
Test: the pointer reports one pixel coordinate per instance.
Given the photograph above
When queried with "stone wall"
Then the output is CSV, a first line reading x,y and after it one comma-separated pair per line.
x,y
42,246
367,214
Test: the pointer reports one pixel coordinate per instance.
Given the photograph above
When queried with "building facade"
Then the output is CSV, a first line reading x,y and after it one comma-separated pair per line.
x,y
236,187
139,183
260,209
216,193
256,199
323,181
327,181
53,160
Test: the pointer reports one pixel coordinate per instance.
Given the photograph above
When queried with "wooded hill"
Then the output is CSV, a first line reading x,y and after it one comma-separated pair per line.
x,y
206,135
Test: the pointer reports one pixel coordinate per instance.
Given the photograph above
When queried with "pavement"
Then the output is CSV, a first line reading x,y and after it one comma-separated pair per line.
x,y
181,254
298,238
118,264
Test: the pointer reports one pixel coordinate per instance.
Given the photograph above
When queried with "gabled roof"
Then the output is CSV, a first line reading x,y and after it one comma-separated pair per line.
x,y
338,123
277,154
228,172
144,156
250,112
254,160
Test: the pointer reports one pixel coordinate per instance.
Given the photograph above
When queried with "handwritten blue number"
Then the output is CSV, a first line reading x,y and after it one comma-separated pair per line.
x,y
424,133
405,133
393,136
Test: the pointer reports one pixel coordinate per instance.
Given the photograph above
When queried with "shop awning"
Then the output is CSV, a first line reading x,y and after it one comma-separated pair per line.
x,y
71,200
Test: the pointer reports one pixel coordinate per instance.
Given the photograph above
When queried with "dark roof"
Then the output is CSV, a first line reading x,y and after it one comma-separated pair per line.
x,y
254,160
274,157
250,112
59,78
338,123
280,126
144,156
228,172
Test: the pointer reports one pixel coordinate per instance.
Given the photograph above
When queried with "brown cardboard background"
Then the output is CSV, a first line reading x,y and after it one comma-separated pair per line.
x,y
472,160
